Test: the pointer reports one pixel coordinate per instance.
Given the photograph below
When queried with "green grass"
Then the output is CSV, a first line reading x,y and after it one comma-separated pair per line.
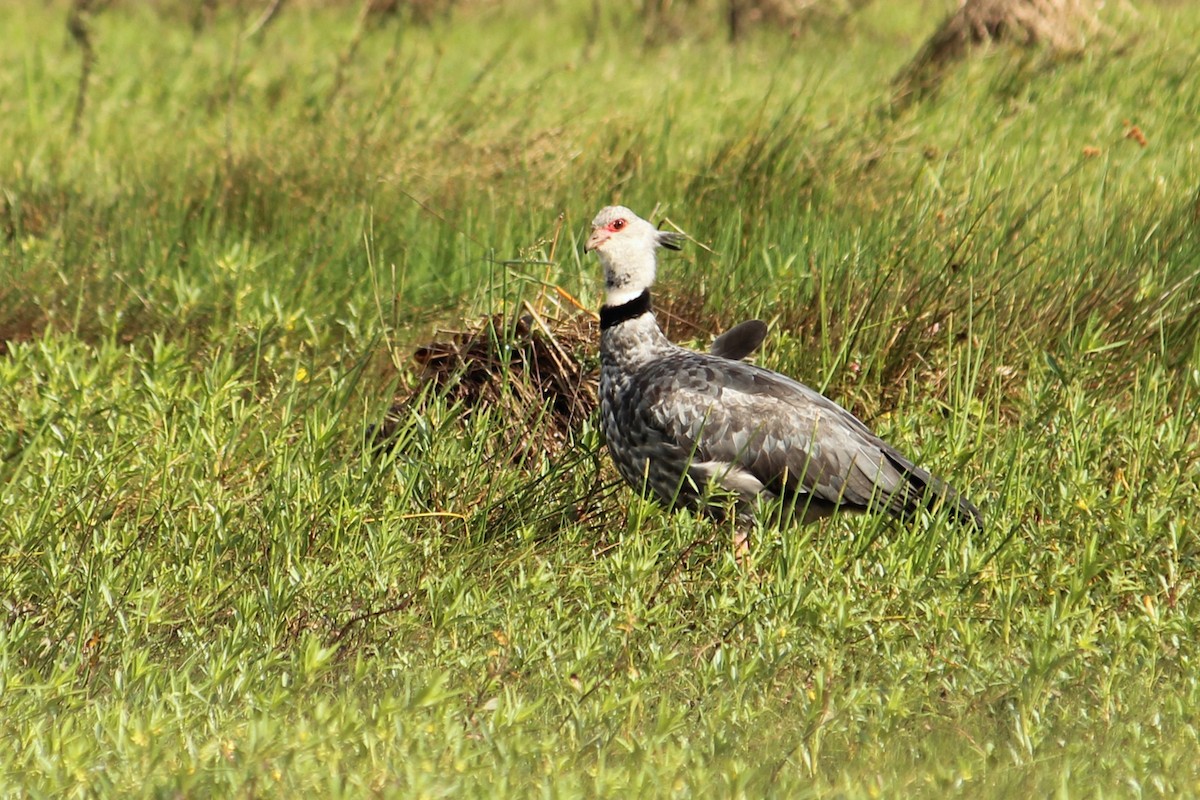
x,y
211,585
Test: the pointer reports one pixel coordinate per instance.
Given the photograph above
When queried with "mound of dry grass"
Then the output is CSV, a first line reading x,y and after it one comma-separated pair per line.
x,y
536,370
1062,25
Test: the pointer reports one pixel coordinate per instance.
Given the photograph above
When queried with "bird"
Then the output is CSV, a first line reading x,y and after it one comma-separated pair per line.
x,y
707,432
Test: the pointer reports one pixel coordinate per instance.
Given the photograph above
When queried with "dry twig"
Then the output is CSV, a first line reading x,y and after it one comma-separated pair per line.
x,y
78,25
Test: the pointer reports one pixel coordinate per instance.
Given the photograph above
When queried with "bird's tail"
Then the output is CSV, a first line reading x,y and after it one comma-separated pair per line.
x,y
932,492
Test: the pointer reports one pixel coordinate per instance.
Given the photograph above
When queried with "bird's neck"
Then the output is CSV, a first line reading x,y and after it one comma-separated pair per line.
x,y
628,272
630,336
612,314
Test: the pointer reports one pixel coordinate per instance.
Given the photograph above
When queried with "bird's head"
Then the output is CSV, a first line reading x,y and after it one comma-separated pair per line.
x,y
625,244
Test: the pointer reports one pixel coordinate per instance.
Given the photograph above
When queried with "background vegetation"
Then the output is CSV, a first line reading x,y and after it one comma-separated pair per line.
x,y
215,266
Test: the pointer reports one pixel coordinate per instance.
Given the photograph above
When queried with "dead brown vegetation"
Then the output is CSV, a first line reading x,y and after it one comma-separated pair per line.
x,y
1063,26
536,370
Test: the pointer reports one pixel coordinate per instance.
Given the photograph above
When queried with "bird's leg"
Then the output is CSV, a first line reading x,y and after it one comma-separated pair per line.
x,y
733,511
743,523
741,546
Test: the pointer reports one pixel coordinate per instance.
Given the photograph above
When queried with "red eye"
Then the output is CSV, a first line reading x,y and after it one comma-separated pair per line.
x,y
618,224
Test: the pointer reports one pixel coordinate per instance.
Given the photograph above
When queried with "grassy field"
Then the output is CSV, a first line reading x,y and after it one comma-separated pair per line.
x,y
211,286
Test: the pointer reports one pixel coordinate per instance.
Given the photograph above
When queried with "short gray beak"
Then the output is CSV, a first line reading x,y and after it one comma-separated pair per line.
x,y
599,236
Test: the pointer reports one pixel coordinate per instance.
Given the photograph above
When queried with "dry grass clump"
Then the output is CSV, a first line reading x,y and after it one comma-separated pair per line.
x,y
1062,25
536,370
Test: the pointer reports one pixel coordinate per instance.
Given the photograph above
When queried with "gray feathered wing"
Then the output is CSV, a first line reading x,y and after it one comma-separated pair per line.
x,y
756,431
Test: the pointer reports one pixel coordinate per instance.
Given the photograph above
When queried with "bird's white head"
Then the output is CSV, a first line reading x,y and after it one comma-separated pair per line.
x,y
625,244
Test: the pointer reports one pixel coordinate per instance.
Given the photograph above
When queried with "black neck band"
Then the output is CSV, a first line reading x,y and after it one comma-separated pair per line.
x,y
615,315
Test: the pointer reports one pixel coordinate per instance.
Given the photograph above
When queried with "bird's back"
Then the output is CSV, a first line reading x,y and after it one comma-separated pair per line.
x,y
682,419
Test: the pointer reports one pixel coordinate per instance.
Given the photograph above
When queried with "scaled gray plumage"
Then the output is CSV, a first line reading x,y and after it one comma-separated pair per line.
x,y
677,421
